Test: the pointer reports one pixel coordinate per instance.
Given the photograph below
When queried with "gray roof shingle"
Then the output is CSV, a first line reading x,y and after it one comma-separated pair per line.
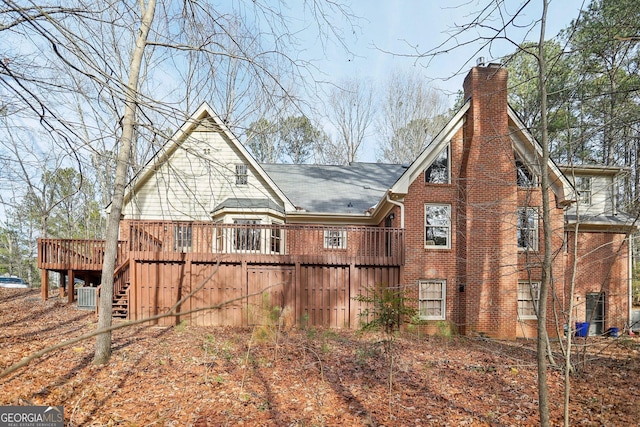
x,y
352,188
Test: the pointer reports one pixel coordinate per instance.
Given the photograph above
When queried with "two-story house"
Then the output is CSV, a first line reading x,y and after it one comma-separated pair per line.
x,y
460,228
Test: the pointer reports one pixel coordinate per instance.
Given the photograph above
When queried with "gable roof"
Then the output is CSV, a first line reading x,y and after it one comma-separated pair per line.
x,y
204,118
524,143
334,189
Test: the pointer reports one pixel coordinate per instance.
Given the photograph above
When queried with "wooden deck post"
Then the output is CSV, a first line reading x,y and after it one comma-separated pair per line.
x,y
44,284
70,286
61,284
299,292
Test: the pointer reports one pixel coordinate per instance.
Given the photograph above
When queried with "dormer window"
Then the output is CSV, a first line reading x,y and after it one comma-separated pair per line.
x,y
242,175
438,171
583,185
524,177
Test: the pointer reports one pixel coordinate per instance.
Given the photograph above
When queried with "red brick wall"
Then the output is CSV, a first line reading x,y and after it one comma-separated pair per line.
x,y
602,267
490,191
483,266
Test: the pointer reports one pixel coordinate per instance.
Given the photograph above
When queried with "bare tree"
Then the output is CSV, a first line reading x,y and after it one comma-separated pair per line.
x,y
411,115
128,75
351,111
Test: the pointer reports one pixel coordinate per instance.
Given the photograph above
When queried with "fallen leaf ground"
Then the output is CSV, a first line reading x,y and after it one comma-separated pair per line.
x,y
194,376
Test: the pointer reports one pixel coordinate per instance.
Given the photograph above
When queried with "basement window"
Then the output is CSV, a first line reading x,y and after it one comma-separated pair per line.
x,y
528,297
432,299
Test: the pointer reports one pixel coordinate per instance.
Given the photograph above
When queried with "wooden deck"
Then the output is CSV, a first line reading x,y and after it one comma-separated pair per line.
x,y
158,262
255,243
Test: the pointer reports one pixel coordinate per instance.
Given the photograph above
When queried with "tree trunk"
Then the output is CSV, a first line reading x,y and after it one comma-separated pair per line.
x,y
103,341
543,395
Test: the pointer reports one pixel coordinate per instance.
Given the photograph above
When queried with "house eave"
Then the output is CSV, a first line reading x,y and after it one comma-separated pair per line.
x,y
611,224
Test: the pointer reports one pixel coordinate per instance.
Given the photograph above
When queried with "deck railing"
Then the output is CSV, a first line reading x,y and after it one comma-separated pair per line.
x,y
378,245
75,254
265,239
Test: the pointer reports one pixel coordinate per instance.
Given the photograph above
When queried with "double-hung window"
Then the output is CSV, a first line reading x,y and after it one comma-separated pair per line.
x,y
432,299
528,229
437,226
528,297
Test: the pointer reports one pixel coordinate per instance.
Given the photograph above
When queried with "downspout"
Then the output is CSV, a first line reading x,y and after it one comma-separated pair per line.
x,y
401,205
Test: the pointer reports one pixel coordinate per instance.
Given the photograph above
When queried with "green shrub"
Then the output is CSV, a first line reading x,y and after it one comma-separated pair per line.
x,y
386,308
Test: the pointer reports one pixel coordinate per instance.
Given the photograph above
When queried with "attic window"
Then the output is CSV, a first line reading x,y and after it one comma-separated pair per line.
x,y
524,177
242,175
438,171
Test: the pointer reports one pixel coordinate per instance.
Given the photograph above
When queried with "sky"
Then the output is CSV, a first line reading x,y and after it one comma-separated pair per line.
x,y
389,29
389,33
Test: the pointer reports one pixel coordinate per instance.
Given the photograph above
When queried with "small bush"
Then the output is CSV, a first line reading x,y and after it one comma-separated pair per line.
x,y
386,309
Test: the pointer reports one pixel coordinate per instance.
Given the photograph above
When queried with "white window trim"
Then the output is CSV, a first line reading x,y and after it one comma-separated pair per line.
x,y
448,226
331,235
535,230
535,299
443,300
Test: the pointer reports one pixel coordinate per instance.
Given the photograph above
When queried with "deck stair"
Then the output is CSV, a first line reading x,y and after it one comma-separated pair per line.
x,y
121,304
121,284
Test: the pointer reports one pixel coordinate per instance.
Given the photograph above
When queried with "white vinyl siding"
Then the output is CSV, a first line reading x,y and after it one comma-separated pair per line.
x,y
189,185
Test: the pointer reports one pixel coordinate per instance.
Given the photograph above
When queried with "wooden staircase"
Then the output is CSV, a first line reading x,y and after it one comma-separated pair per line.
x,y
121,304
121,283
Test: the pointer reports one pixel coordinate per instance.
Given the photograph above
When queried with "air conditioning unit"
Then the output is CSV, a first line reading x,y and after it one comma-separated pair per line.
x,y
86,298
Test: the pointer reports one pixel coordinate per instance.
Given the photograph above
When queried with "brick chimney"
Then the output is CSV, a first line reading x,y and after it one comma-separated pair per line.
x,y
487,222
